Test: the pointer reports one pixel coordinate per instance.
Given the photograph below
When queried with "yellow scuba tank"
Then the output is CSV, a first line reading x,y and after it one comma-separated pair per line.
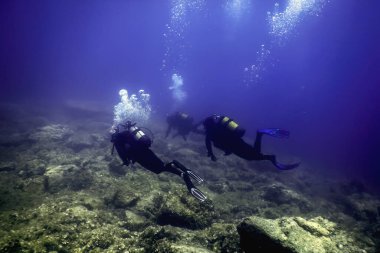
x,y
231,126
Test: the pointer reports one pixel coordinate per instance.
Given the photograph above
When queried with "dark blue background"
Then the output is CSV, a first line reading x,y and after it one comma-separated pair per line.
x,y
323,87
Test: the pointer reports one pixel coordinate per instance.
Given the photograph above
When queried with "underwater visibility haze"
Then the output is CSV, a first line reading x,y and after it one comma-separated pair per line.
x,y
72,71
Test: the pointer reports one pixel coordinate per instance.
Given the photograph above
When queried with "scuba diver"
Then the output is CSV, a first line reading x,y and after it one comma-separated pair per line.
x,y
182,122
133,145
227,135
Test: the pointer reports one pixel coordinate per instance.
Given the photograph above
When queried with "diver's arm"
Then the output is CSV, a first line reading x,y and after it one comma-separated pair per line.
x,y
122,151
209,148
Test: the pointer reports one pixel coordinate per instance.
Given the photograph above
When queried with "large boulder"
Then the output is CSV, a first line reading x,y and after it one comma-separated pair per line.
x,y
183,210
168,239
123,198
297,235
281,195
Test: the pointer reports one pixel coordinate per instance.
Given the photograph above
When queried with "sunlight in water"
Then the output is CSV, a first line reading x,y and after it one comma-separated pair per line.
x,y
236,8
174,36
283,24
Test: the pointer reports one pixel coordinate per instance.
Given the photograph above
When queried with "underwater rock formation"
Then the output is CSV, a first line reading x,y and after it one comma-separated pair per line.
x,y
61,190
7,166
296,235
66,176
280,195
54,132
185,211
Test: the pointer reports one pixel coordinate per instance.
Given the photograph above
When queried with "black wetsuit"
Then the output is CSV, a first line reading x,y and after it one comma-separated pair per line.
x,y
182,122
226,135
131,149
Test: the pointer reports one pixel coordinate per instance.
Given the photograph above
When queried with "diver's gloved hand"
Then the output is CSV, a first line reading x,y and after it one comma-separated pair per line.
x,y
286,166
213,157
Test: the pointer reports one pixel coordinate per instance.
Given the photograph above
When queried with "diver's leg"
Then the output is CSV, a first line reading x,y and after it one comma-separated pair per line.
x,y
278,165
171,168
150,161
177,168
274,132
257,145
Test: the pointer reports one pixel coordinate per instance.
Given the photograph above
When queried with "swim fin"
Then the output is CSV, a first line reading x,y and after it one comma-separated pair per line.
x,y
194,176
192,189
275,132
286,166
198,194
190,173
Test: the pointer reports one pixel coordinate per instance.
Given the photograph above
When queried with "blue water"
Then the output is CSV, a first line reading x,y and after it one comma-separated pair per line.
x,y
317,76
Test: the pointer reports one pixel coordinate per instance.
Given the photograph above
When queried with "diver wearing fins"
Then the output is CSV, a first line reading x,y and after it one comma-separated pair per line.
x,y
227,135
133,145
181,122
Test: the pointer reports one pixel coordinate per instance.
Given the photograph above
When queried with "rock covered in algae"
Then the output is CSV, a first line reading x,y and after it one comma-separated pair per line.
x,y
7,166
66,176
54,132
281,195
183,210
63,224
77,142
222,237
178,248
295,235
168,239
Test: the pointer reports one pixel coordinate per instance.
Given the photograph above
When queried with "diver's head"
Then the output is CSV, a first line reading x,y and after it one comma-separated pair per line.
x,y
127,125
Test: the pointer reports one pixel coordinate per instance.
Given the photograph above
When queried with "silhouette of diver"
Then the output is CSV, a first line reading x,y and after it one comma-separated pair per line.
x,y
181,122
133,145
227,135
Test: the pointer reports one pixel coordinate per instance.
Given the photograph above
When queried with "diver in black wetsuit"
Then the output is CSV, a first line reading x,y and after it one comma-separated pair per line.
x,y
182,122
132,145
226,135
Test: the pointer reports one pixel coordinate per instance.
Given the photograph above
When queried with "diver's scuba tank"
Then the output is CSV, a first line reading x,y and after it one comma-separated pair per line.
x,y
139,137
231,126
